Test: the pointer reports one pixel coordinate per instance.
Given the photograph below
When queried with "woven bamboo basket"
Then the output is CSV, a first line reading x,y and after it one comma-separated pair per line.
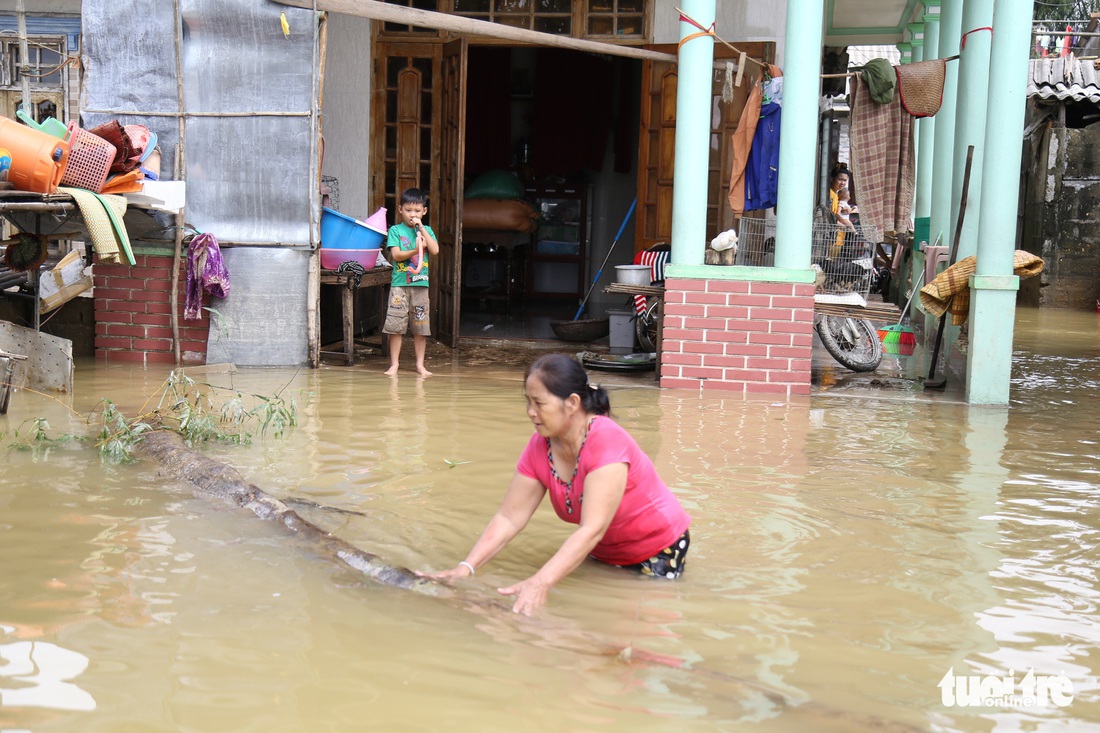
x,y
589,329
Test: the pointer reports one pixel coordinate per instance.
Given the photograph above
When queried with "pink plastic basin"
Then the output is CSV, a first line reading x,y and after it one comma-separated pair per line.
x,y
331,258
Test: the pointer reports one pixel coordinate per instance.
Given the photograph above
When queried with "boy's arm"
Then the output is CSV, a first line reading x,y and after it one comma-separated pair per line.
x,y
429,240
400,255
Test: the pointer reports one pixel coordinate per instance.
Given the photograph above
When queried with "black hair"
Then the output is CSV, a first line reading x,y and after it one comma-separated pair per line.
x,y
563,375
414,196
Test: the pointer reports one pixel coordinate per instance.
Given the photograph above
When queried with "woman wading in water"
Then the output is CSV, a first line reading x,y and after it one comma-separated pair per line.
x,y
598,479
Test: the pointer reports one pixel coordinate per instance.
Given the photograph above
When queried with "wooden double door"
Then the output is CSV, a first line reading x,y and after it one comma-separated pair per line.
x,y
419,140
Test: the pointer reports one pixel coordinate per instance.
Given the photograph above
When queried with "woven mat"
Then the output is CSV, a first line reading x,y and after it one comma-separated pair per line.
x,y
950,291
920,86
106,237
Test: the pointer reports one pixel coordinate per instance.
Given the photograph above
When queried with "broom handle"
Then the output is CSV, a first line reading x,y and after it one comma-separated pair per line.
x,y
606,257
916,289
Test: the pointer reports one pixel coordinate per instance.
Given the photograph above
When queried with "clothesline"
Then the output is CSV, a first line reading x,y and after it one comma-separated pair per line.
x,y
853,73
744,56
710,32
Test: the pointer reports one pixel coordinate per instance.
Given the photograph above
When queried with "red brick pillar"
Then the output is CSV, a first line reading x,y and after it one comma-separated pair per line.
x,y
132,307
738,336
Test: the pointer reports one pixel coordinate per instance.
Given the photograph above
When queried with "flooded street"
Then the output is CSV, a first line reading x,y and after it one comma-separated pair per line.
x,y
850,551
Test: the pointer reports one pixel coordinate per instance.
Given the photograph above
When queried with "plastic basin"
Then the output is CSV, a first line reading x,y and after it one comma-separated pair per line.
x,y
339,231
332,258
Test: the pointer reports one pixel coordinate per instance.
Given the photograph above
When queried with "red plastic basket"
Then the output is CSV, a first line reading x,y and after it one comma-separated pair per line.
x,y
90,159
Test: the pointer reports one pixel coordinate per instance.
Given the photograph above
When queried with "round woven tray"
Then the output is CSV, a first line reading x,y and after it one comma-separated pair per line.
x,y
589,329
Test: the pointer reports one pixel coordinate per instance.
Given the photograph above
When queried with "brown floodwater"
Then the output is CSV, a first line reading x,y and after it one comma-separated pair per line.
x,y
849,550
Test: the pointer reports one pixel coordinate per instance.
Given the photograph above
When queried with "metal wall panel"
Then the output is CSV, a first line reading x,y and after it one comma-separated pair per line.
x,y
250,153
263,321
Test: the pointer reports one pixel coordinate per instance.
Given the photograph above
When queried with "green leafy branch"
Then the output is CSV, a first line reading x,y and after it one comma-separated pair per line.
x,y
186,406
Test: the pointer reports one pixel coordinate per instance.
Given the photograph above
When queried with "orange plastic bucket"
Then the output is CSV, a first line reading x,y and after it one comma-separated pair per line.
x,y
38,160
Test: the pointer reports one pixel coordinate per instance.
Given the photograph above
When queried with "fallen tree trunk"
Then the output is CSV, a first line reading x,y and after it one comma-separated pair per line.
x,y
217,479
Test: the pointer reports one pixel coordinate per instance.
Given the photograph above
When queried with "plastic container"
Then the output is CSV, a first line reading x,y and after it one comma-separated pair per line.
x,y
90,159
343,232
50,126
634,274
332,258
377,220
622,330
38,160
555,247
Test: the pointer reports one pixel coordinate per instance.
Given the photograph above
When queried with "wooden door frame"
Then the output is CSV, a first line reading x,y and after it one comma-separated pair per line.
x,y
654,188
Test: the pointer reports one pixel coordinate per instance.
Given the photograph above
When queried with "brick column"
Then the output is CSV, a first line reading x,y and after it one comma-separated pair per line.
x,y
738,336
132,307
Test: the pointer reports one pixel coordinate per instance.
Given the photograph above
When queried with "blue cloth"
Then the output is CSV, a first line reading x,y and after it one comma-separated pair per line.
x,y
762,171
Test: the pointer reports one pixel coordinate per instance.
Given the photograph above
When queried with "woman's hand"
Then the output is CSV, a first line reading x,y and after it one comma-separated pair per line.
x,y
530,595
458,572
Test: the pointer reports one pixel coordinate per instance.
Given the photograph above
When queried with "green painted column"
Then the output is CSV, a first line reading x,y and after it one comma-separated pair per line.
x,y
970,113
798,136
926,128
944,152
693,96
906,51
916,56
993,286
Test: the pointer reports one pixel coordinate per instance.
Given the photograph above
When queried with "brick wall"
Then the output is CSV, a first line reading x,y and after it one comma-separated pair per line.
x,y
749,337
132,307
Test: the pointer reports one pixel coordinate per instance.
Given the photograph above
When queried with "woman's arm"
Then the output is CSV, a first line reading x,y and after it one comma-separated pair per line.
x,y
520,502
603,492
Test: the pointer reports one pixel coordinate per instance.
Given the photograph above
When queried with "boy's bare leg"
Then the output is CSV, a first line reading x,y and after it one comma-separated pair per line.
x,y
395,354
420,346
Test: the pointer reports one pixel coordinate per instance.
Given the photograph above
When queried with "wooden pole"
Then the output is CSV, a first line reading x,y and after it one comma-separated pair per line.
x,y
177,251
467,26
174,290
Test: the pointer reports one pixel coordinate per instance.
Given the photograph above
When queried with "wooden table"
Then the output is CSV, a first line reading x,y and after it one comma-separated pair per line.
x,y
374,278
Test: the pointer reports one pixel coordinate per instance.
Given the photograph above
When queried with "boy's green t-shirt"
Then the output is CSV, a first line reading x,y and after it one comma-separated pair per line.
x,y
403,237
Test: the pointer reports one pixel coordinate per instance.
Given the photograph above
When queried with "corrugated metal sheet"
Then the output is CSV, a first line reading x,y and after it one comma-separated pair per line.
x,y
1064,79
249,102
250,116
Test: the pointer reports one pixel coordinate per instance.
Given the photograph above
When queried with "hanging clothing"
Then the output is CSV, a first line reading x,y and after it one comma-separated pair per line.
x,y
762,171
883,164
878,75
205,273
742,138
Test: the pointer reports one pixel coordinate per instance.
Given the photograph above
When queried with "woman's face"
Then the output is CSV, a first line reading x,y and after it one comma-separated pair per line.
x,y
547,412
840,181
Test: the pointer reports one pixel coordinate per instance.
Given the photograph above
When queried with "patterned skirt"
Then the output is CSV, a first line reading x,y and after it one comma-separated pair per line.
x,y
669,562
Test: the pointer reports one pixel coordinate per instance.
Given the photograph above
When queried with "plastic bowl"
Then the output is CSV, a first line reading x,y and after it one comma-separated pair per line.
x,y
332,258
339,231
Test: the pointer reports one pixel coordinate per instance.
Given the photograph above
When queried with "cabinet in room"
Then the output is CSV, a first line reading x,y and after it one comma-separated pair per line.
x,y
556,261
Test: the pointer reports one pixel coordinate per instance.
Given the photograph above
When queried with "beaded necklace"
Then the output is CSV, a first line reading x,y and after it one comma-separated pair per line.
x,y
568,485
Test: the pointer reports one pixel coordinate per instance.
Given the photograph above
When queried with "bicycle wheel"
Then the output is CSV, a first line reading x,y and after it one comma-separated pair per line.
x,y
645,326
851,341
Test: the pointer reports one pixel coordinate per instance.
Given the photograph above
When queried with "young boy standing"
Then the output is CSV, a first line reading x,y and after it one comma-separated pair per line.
x,y
409,242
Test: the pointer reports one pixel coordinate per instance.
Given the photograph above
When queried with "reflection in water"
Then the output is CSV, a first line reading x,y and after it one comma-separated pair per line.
x,y
846,553
38,673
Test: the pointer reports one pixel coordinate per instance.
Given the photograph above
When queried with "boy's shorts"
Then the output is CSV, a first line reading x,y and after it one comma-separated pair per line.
x,y
402,302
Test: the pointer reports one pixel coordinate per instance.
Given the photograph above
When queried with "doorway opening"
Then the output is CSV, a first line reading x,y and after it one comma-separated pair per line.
x,y
558,129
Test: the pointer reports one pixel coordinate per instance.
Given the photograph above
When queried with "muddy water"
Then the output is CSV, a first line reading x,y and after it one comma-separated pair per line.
x,y
847,553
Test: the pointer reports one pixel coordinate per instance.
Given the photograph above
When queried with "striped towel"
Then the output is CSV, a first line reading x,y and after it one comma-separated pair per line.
x,y
103,219
657,261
